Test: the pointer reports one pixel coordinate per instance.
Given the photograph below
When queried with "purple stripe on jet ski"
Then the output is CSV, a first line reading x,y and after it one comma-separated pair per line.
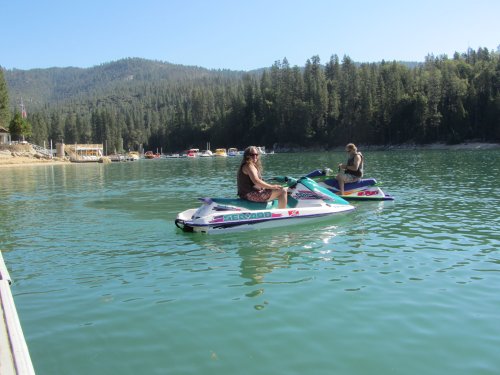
x,y
351,185
376,198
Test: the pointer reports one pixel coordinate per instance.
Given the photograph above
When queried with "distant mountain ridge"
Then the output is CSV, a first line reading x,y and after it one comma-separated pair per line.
x,y
39,87
49,86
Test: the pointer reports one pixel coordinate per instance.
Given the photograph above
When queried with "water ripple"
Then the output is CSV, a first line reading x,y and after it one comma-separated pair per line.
x,y
101,273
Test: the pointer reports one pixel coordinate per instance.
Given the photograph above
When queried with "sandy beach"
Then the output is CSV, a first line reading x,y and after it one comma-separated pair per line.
x,y
24,155
29,162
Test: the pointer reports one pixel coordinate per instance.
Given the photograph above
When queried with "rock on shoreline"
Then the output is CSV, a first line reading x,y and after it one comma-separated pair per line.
x,y
25,154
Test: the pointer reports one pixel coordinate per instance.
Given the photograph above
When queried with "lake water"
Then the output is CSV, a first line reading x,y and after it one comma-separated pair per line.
x,y
104,283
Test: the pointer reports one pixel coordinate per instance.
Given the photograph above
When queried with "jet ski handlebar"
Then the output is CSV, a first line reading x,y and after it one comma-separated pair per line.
x,y
285,180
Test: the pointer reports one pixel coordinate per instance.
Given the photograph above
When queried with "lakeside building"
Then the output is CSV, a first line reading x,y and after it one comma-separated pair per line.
x,y
5,138
81,153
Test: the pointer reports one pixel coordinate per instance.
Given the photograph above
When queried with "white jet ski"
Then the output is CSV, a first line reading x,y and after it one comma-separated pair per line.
x,y
307,201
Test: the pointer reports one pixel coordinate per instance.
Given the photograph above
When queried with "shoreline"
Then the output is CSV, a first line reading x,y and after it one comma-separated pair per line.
x,y
400,147
24,161
31,161
438,146
23,154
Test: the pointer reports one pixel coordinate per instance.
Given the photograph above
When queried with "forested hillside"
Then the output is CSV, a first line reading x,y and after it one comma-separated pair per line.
x,y
134,101
41,87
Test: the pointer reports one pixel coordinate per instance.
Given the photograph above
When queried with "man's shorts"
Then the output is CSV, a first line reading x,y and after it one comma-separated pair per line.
x,y
350,177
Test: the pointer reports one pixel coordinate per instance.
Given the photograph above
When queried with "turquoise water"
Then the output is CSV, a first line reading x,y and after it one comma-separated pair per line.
x,y
104,283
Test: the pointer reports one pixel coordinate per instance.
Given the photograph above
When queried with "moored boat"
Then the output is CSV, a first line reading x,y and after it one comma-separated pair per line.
x,y
151,155
84,153
206,154
172,156
120,158
192,153
133,155
220,152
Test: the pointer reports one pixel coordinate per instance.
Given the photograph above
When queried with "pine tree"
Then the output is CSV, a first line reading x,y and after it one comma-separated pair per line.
x,y
381,103
19,127
4,102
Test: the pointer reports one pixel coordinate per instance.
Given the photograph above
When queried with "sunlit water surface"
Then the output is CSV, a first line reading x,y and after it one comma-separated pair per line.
x,y
104,282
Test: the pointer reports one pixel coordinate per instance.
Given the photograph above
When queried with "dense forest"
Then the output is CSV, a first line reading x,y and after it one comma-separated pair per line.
x,y
159,105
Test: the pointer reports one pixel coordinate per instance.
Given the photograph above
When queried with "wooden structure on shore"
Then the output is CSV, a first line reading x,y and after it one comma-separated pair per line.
x,y
82,153
4,136
14,355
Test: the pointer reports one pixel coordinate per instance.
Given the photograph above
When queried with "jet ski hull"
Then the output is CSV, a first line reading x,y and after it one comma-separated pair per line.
x,y
307,201
362,190
247,220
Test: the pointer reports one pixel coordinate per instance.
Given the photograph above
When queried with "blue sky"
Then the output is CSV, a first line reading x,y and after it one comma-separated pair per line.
x,y
240,35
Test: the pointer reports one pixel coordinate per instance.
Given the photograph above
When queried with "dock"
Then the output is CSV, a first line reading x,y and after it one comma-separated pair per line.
x,y
14,355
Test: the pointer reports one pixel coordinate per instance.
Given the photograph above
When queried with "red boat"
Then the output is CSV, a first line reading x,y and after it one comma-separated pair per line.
x,y
151,155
